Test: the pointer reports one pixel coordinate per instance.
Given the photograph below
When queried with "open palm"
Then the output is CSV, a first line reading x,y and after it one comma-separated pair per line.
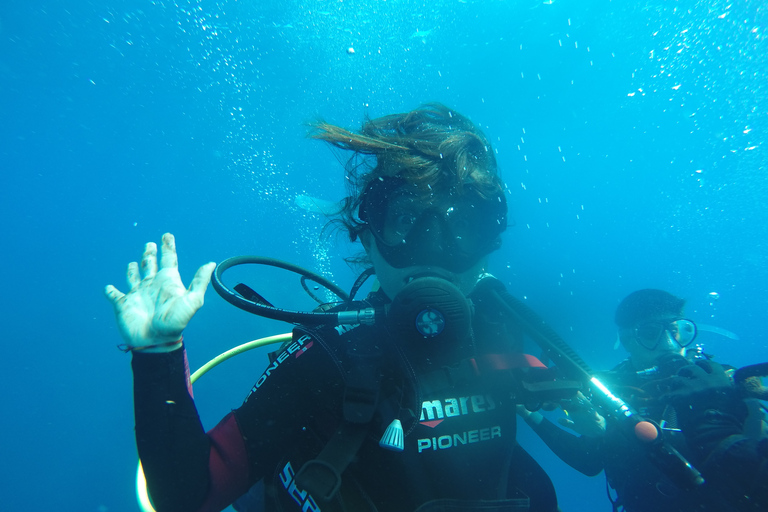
x,y
157,307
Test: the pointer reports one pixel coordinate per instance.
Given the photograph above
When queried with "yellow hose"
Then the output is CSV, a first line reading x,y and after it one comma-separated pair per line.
x,y
142,496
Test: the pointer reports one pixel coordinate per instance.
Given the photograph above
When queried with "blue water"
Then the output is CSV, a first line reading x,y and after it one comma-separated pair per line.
x,y
632,140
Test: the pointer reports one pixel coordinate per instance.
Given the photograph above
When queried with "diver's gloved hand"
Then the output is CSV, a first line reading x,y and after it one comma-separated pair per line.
x,y
709,407
157,308
533,418
670,363
581,417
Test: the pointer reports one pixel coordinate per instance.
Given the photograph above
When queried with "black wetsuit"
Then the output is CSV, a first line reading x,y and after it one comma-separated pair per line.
x,y
459,424
735,472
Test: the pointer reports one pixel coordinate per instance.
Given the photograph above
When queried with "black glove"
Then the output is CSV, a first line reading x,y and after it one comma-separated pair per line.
x,y
670,364
709,407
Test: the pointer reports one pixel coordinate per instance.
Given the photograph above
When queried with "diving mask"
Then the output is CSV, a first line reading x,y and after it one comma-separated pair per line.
x,y
682,331
413,227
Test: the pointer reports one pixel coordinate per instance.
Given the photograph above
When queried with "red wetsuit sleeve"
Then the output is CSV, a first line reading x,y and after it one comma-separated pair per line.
x,y
227,465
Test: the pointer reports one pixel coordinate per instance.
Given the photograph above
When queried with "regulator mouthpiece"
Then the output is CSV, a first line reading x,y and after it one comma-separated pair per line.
x,y
430,309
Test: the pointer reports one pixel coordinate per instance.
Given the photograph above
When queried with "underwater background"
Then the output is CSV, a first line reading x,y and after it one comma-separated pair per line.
x,y
631,136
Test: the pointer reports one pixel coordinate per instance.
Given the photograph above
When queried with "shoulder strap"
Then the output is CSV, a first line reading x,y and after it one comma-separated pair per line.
x,y
321,476
362,379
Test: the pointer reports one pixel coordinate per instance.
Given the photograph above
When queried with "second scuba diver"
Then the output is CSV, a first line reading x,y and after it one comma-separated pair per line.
x,y
702,408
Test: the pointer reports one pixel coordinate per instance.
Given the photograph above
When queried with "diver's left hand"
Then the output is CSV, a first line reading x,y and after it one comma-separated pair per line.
x,y
581,417
533,418
697,380
157,308
709,407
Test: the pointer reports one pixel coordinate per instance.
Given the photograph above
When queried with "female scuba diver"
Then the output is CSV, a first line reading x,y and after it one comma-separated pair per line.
x,y
412,409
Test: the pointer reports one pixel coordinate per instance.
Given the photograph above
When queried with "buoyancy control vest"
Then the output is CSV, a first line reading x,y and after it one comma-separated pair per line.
x,y
458,428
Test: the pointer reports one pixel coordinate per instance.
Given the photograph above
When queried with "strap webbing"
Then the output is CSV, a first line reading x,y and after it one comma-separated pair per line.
x,y
322,475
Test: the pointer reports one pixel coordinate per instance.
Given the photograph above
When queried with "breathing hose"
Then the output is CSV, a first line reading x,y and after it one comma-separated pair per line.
x,y
261,308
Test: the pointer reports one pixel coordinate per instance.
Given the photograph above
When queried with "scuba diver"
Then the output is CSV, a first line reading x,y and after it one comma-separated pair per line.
x,y
407,401
708,412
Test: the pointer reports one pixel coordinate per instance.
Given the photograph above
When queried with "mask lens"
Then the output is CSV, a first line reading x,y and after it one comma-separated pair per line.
x,y
648,334
402,215
683,331
414,228
474,223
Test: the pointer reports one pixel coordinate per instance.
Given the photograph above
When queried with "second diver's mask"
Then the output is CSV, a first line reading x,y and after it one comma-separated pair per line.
x,y
417,228
682,331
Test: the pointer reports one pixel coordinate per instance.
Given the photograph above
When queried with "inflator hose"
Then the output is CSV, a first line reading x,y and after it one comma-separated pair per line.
x,y
292,317
544,336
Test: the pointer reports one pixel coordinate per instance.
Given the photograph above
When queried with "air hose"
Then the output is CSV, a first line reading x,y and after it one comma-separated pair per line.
x,y
263,308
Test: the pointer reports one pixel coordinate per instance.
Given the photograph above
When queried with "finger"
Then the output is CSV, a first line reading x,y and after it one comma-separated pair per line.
x,y
565,422
168,258
697,372
114,295
132,275
691,371
202,278
705,365
149,260
674,383
196,293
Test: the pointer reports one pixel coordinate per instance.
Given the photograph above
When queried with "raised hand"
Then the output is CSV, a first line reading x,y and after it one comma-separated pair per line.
x,y
157,307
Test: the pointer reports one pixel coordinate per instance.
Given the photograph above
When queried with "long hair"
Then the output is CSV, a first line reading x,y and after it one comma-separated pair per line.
x,y
432,147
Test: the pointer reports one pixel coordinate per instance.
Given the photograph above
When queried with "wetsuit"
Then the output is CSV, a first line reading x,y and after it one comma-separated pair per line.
x,y
735,467
459,455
